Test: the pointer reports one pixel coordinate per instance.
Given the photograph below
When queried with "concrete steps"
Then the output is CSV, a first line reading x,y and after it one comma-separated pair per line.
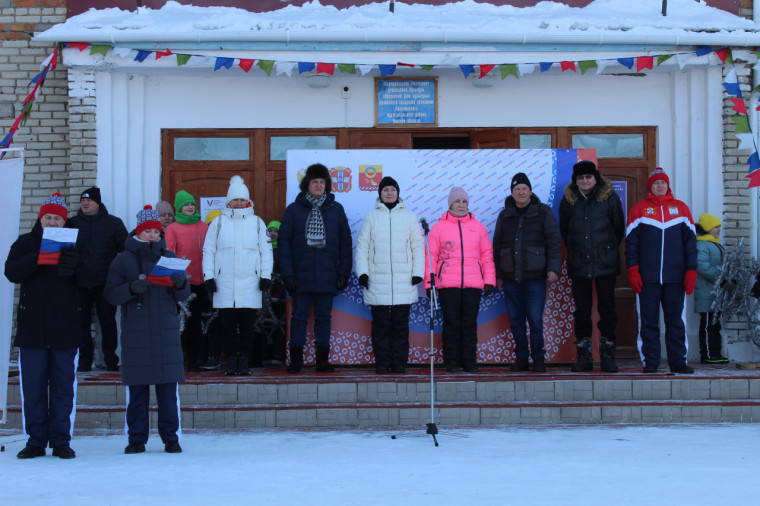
x,y
360,398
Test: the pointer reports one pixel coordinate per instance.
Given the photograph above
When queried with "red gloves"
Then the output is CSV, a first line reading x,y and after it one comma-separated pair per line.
x,y
634,278
689,281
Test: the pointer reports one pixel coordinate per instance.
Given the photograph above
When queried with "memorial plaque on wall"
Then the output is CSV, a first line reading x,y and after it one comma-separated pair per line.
x,y
406,101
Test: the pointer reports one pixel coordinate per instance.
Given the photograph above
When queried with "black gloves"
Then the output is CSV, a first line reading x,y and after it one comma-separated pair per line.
x,y
179,280
138,286
416,280
210,285
291,285
342,282
264,284
69,258
488,290
364,281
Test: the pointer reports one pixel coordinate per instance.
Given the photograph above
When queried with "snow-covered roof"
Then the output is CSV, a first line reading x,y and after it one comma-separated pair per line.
x,y
603,22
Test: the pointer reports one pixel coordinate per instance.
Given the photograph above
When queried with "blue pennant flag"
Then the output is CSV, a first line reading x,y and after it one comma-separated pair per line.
x,y
467,70
545,66
627,62
733,89
703,50
35,78
223,62
7,140
753,162
306,67
387,70
141,55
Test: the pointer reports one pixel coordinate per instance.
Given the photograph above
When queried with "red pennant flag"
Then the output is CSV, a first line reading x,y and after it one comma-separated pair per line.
x,y
325,68
246,64
80,45
722,54
401,64
161,54
754,178
16,123
567,65
485,69
644,62
739,105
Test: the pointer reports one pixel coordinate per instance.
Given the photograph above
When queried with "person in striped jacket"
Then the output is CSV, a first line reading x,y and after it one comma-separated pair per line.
x,y
661,255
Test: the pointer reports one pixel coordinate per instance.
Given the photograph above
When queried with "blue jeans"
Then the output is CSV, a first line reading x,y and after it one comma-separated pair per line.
x,y
526,299
301,307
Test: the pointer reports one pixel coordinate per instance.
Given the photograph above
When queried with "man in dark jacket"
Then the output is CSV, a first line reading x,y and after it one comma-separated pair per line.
x,y
102,238
661,254
527,252
592,225
47,334
315,262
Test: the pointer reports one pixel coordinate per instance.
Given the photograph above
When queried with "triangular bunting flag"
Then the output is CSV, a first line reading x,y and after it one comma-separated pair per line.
x,y
427,68
141,55
246,64
526,68
626,62
733,89
365,69
347,68
99,49
326,68
266,66
683,59
122,52
223,63
401,64
754,162
739,105
742,124
305,67
79,45
644,62
544,66
467,70
567,65
386,70
182,59
754,179
746,141
506,70
663,58
485,69
161,54
703,50
722,54
284,67
585,65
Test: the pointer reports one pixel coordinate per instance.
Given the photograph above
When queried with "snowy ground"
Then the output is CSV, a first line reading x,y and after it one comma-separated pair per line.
x,y
681,464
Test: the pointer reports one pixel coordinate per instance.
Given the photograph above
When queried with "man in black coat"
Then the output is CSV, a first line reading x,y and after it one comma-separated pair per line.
x,y
47,334
591,223
102,237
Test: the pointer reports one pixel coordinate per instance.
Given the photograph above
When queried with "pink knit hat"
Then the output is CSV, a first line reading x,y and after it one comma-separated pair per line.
x,y
457,193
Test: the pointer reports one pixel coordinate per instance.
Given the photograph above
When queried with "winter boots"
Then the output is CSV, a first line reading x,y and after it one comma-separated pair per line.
x,y
296,359
585,360
607,355
323,363
232,365
520,365
242,367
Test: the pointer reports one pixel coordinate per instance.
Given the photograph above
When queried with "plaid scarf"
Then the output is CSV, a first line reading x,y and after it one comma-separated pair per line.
x,y
315,226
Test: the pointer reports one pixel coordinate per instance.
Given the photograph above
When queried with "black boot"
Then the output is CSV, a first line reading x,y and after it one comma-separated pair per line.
x,y
539,365
520,365
607,355
242,367
296,359
585,360
323,362
232,365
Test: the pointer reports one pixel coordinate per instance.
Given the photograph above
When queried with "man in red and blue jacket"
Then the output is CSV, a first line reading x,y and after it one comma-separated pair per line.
x,y
661,254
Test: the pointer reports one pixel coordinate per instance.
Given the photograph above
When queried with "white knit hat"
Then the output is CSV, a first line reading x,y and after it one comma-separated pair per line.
x,y
238,189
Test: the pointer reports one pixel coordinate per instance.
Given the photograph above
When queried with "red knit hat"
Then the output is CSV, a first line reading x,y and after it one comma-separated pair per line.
x,y
54,204
657,175
147,218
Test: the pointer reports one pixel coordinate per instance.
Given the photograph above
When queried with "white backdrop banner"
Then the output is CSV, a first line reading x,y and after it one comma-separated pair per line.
x,y
11,177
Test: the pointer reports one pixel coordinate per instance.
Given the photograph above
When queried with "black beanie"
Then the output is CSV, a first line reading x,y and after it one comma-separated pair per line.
x,y
520,178
92,194
585,167
387,181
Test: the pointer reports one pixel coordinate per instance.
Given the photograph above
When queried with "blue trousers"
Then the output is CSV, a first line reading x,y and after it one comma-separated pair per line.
x,y
48,394
671,297
138,418
301,307
526,300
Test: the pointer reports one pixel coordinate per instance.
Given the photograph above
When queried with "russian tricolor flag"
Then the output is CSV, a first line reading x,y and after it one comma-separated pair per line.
x,y
165,268
53,240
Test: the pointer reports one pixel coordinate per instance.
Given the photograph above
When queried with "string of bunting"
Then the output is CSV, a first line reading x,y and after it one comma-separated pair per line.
x,y
731,84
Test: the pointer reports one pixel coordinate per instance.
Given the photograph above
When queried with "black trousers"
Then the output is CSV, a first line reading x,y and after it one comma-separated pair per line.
x,y
138,417
89,297
709,336
237,330
390,335
195,341
460,325
605,304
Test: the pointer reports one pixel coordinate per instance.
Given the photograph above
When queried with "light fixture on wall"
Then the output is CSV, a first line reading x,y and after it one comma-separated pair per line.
x,y
318,81
486,81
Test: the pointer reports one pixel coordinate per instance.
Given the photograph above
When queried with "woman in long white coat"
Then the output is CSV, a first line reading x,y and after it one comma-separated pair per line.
x,y
237,266
390,263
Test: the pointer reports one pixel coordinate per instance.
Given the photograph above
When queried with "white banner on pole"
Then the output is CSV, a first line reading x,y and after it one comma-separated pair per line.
x,y
11,179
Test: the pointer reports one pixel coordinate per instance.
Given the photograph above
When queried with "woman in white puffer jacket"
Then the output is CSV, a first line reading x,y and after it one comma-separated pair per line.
x,y
390,262
237,266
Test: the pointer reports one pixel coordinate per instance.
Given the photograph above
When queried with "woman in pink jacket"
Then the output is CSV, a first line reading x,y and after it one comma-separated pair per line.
x,y
462,262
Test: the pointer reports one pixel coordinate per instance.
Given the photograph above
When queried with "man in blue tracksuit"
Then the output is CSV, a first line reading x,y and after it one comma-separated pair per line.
x,y
661,254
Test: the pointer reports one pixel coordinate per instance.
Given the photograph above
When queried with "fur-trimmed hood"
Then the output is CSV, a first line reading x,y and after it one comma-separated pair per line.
x,y
601,192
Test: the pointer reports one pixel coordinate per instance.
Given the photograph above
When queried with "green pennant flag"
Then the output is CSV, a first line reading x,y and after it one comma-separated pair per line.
x,y
510,69
182,59
742,124
757,89
730,57
587,64
265,65
348,68
663,58
427,68
99,49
